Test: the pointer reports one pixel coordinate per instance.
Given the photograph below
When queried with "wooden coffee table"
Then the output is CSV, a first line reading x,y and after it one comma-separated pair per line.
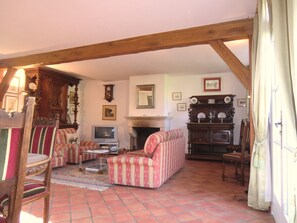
x,y
101,153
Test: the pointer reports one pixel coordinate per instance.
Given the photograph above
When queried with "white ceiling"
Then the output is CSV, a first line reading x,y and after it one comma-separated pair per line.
x,y
34,26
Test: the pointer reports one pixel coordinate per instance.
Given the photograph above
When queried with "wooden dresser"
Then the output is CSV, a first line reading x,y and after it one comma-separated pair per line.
x,y
52,94
210,126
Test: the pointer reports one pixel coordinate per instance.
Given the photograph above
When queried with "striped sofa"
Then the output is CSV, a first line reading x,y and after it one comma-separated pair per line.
x,y
71,152
163,155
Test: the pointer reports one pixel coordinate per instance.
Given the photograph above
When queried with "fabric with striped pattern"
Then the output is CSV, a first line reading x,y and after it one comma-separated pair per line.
x,y
42,140
9,143
141,171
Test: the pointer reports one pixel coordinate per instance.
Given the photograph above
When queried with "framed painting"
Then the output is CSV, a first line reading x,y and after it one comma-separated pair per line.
x,y
181,106
212,84
14,85
71,109
241,102
71,97
11,103
109,112
176,96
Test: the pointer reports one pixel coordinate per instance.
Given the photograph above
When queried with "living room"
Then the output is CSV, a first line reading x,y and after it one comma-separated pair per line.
x,y
277,188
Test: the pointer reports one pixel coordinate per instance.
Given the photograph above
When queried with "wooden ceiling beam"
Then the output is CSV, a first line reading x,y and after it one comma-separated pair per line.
x,y
5,82
242,72
226,31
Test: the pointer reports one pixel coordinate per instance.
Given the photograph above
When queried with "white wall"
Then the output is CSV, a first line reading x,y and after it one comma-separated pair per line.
x,y
91,98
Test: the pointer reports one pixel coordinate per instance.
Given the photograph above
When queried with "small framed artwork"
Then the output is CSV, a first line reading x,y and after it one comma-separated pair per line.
x,y
14,85
109,112
71,97
11,103
181,106
241,102
176,96
71,110
212,84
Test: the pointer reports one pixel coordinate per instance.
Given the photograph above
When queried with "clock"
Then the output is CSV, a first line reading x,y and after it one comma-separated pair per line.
x,y
108,92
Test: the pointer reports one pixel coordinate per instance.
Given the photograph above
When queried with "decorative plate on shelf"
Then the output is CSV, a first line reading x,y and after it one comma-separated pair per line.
x,y
194,100
201,115
227,99
222,115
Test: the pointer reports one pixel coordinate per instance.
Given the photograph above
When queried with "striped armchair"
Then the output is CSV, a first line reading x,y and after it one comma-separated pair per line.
x,y
163,155
73,150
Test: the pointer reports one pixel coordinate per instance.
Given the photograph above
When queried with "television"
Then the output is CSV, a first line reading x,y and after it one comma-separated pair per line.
x,y
104,133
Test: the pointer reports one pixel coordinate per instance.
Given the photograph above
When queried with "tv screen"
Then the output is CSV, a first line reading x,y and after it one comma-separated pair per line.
x,y
104,133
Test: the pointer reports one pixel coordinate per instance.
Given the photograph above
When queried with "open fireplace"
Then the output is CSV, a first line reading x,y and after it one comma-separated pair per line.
x,y
142,133
140,127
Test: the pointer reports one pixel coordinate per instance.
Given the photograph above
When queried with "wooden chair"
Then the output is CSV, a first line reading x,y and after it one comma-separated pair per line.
x,y
239,157
39,162
237,147
15,130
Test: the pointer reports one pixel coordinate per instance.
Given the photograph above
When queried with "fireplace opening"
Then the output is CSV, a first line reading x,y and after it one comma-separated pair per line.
x,y
142,133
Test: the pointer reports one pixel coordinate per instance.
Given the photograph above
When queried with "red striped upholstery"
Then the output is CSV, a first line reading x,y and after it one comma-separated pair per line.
x,y
30,190
9,140
42,140
136,170
74,150
153,141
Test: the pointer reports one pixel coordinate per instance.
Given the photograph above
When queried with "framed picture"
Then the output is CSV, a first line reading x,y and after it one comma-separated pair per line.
x,y
212,84
14,85
241,102
109,112
176,96
71,110
11,103
72,97
181,106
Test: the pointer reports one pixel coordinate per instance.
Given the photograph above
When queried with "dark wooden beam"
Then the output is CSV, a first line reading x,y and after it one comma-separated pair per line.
x,y
226,31
242,72
4,84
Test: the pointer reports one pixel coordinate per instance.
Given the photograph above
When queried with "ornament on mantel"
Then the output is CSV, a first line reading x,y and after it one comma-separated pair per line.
x,y
109,92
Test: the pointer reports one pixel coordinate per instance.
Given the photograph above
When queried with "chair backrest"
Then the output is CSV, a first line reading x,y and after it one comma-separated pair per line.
x,y
15,130
245,138
241,131
43,136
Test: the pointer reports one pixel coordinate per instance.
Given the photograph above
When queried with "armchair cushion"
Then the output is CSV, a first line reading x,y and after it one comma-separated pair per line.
x,y
72,138
74,150
153,141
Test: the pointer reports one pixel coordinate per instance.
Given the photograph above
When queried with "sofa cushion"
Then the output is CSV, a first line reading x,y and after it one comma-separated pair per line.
x,y
61,135
153,141
72,138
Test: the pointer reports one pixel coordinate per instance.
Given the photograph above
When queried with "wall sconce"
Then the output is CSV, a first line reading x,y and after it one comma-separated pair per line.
x,y
108,92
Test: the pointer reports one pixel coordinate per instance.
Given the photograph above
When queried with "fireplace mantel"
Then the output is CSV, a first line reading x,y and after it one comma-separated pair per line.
x,y
162,122
147,117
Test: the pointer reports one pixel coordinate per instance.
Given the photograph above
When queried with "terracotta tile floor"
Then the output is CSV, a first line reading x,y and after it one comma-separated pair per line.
x,y
195,194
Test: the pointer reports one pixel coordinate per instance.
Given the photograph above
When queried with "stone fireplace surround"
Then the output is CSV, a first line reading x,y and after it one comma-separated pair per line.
x,y
140,122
